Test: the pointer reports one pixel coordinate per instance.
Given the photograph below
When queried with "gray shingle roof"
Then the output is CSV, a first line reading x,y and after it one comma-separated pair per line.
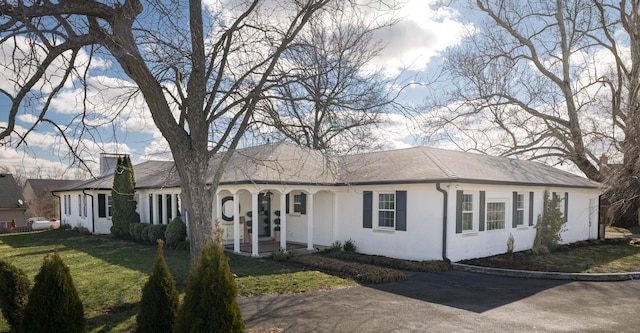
x,y
10,193
284,163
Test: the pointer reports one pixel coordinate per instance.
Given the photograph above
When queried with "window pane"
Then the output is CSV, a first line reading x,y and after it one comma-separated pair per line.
x,y
495,215
467,221
385,218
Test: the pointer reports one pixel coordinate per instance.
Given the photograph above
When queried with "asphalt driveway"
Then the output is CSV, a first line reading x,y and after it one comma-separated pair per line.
x,y
453,302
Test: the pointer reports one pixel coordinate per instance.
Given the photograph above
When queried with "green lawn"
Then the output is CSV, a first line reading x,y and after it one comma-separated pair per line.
x,y
109,273
605,257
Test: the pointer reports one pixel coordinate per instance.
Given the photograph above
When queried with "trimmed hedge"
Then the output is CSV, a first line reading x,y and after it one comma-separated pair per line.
x,y
176,232
54,304
160,298
14,293
154,232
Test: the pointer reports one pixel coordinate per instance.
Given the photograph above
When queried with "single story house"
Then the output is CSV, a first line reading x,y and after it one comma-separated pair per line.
x,y
417,203
12,204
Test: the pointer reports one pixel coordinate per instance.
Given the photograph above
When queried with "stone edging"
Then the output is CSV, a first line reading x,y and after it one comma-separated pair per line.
x,y
548,275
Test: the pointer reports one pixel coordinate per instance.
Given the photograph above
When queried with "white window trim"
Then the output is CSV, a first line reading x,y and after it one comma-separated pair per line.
x,y
376,217
474,212
293,204
506,213
523,210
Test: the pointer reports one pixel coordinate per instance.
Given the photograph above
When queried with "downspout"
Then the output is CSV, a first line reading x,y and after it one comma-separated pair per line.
x,y
445,205
93,219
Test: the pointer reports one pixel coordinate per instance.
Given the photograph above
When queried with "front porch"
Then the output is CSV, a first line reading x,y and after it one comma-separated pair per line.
x,y
258,221
267,246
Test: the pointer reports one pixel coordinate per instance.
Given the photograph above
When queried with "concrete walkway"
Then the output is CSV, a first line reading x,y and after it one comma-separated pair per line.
x,y
454,301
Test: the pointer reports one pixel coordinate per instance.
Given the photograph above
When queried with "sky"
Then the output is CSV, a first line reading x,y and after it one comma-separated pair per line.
x,y
416,43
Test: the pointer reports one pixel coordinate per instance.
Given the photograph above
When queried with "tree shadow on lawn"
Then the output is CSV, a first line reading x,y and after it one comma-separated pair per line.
x,y
467,291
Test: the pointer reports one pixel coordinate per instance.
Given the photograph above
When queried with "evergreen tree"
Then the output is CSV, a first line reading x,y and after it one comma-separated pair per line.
x,y
123,194
210,296
14,292
550,225
159,304
54,305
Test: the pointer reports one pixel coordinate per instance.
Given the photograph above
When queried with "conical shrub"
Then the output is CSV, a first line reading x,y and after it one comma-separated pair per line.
x,y
159,304
54,305
14,293
210,297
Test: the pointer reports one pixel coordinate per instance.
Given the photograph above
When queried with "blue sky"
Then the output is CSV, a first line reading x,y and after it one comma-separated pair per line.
x,y
416,42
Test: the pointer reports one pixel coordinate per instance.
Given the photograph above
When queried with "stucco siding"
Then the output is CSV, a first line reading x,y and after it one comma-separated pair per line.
x,y
421,241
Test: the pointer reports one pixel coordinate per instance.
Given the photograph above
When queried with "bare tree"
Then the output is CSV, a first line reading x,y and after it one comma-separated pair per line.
x,y
329,96
553,80
201,68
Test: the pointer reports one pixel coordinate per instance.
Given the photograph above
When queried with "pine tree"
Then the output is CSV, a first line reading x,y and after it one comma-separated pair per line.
x,y
123,194
159,304
54,304
210,296
14,292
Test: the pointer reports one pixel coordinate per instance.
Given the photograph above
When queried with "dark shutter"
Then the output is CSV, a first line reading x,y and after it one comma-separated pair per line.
x,y
481,210
150,208
102,205
287,202
401,210
514,211
566,206
459,198
303,203
531,208
367,209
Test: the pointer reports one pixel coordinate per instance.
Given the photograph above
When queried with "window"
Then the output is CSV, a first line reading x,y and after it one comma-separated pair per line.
x,y
109,203
84,205
300,203
467,212
495,215
519,213
386,210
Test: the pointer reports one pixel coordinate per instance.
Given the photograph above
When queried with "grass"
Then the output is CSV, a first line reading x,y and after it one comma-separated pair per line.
x,y
612,256
109,273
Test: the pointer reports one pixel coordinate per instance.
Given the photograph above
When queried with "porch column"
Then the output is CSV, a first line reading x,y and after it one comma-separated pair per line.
x,y
335,216
283,221
163,197
310,222
255,224
218,205
236,223
157,213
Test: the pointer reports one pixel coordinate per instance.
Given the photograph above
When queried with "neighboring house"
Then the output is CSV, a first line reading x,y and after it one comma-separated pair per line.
x,y
37,194
12,203
417,203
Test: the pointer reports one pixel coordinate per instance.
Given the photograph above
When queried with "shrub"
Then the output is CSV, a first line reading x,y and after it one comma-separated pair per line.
x,y
14,292
132,227
155,232
138,229
510,246
350,246
550,224
82,230
144,234
210,296
54,304
65,226
336,246
159,303
176,232
281,255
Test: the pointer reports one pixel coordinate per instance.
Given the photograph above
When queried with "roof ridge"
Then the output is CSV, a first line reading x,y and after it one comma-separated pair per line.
x,y
427,152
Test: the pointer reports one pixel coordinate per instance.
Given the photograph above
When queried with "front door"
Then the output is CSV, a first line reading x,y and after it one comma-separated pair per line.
x,y
264,215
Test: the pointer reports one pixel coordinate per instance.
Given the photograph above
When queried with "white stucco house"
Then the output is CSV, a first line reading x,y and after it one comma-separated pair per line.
x,y
418,203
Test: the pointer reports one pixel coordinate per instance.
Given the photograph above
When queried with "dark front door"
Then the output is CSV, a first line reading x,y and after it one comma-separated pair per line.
x,y
264,215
